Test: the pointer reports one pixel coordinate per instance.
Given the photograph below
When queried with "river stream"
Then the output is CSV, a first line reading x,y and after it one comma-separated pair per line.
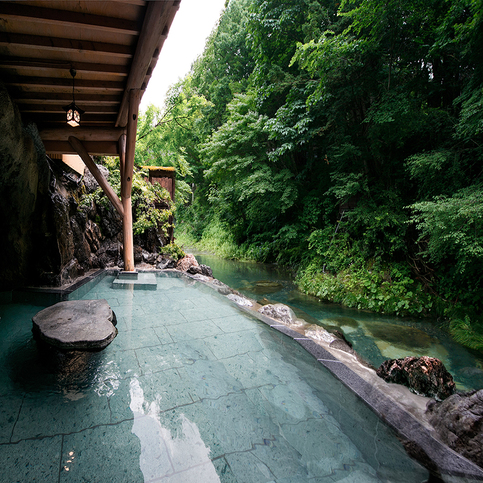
x,y
375,337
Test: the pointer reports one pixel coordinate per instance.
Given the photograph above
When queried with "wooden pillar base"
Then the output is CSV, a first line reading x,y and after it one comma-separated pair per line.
x,y
128,235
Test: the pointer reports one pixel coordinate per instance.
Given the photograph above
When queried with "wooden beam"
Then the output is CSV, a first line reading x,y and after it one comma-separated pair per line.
x,y
52,97
66,45
156,25
52,16
59,118
55,108
103,183
100,148
80,84
126,180
122,154
49,65
82,133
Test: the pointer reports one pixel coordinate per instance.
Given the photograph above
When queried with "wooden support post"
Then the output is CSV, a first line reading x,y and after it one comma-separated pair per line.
x,y
122,155
103,183
126,179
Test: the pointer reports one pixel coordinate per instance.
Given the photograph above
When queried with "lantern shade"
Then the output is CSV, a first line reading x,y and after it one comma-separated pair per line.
x,y
74,114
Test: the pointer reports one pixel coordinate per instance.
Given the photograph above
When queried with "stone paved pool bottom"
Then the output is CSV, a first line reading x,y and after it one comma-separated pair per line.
x,y
190,390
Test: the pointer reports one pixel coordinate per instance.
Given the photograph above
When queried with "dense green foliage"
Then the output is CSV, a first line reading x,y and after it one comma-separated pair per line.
x,y
344,138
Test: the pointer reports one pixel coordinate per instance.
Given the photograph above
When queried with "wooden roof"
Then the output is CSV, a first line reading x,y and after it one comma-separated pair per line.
x,y
113,46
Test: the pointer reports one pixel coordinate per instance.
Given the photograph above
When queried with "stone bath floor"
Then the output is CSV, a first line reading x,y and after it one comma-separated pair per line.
x,y
191,390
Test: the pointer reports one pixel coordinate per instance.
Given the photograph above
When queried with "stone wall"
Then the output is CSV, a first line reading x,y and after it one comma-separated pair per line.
x,y
19,188
48,235
42,229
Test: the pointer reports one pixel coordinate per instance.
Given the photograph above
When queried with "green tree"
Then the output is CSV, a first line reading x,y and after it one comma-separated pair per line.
x,y
171,136
246,188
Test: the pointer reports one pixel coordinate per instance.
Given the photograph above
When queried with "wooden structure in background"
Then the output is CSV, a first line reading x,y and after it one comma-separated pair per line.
x,y
166,177
113,46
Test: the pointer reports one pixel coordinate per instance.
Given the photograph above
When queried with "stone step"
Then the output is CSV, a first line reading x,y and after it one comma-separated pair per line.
x,y
76,325
143,281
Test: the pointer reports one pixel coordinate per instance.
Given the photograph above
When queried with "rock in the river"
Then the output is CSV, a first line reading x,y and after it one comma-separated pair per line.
x,y
425,376
76,325
263,287
281,312
186,262
458,420
206,270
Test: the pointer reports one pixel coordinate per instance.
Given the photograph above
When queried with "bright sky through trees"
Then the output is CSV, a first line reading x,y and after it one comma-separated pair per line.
x,y
186,41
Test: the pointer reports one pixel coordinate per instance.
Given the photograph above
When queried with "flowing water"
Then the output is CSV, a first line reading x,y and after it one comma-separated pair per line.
x,y
375,337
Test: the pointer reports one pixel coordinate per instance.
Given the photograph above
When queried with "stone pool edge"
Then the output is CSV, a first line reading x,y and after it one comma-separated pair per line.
x,y
417,436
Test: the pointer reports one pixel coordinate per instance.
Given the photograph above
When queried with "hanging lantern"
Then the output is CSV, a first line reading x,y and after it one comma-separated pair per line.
x,y
74,113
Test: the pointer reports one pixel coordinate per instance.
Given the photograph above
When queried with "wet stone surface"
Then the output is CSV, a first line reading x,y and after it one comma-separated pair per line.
x,y
76,325
193,389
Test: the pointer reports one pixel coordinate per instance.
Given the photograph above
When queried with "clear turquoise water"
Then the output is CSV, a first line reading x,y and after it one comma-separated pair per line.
x,y
191,390
375,337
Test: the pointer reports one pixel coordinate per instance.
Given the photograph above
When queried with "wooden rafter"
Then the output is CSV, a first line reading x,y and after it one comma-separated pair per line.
x,y
65,45
85,133
23,97
52,16
109,148
36,65
66,84
113,46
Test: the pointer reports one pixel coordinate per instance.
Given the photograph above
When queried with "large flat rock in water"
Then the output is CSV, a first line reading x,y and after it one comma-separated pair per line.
x,y
76,325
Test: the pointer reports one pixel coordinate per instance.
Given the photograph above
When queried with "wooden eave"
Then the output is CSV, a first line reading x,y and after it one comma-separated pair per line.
x,y
113,46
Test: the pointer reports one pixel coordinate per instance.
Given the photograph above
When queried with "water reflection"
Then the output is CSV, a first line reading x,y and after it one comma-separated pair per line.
x,y
70,461
178,451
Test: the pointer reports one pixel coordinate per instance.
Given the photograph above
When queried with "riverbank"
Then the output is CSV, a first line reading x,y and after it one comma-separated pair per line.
x,y
363,285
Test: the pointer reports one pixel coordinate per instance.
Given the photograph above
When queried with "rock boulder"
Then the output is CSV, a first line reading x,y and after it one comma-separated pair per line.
x,y
240,300
187,262
76,325
281,312
164,263
221,287
425,376
90,182
458,420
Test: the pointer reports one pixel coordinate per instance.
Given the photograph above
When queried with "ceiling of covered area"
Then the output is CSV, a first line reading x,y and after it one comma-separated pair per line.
x,y
113,46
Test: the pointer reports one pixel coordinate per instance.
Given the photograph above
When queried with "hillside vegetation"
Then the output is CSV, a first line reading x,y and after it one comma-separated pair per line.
x,y
344,139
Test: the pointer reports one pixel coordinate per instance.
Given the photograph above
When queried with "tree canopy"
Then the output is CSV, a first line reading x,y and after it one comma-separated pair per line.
x,y
307,116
